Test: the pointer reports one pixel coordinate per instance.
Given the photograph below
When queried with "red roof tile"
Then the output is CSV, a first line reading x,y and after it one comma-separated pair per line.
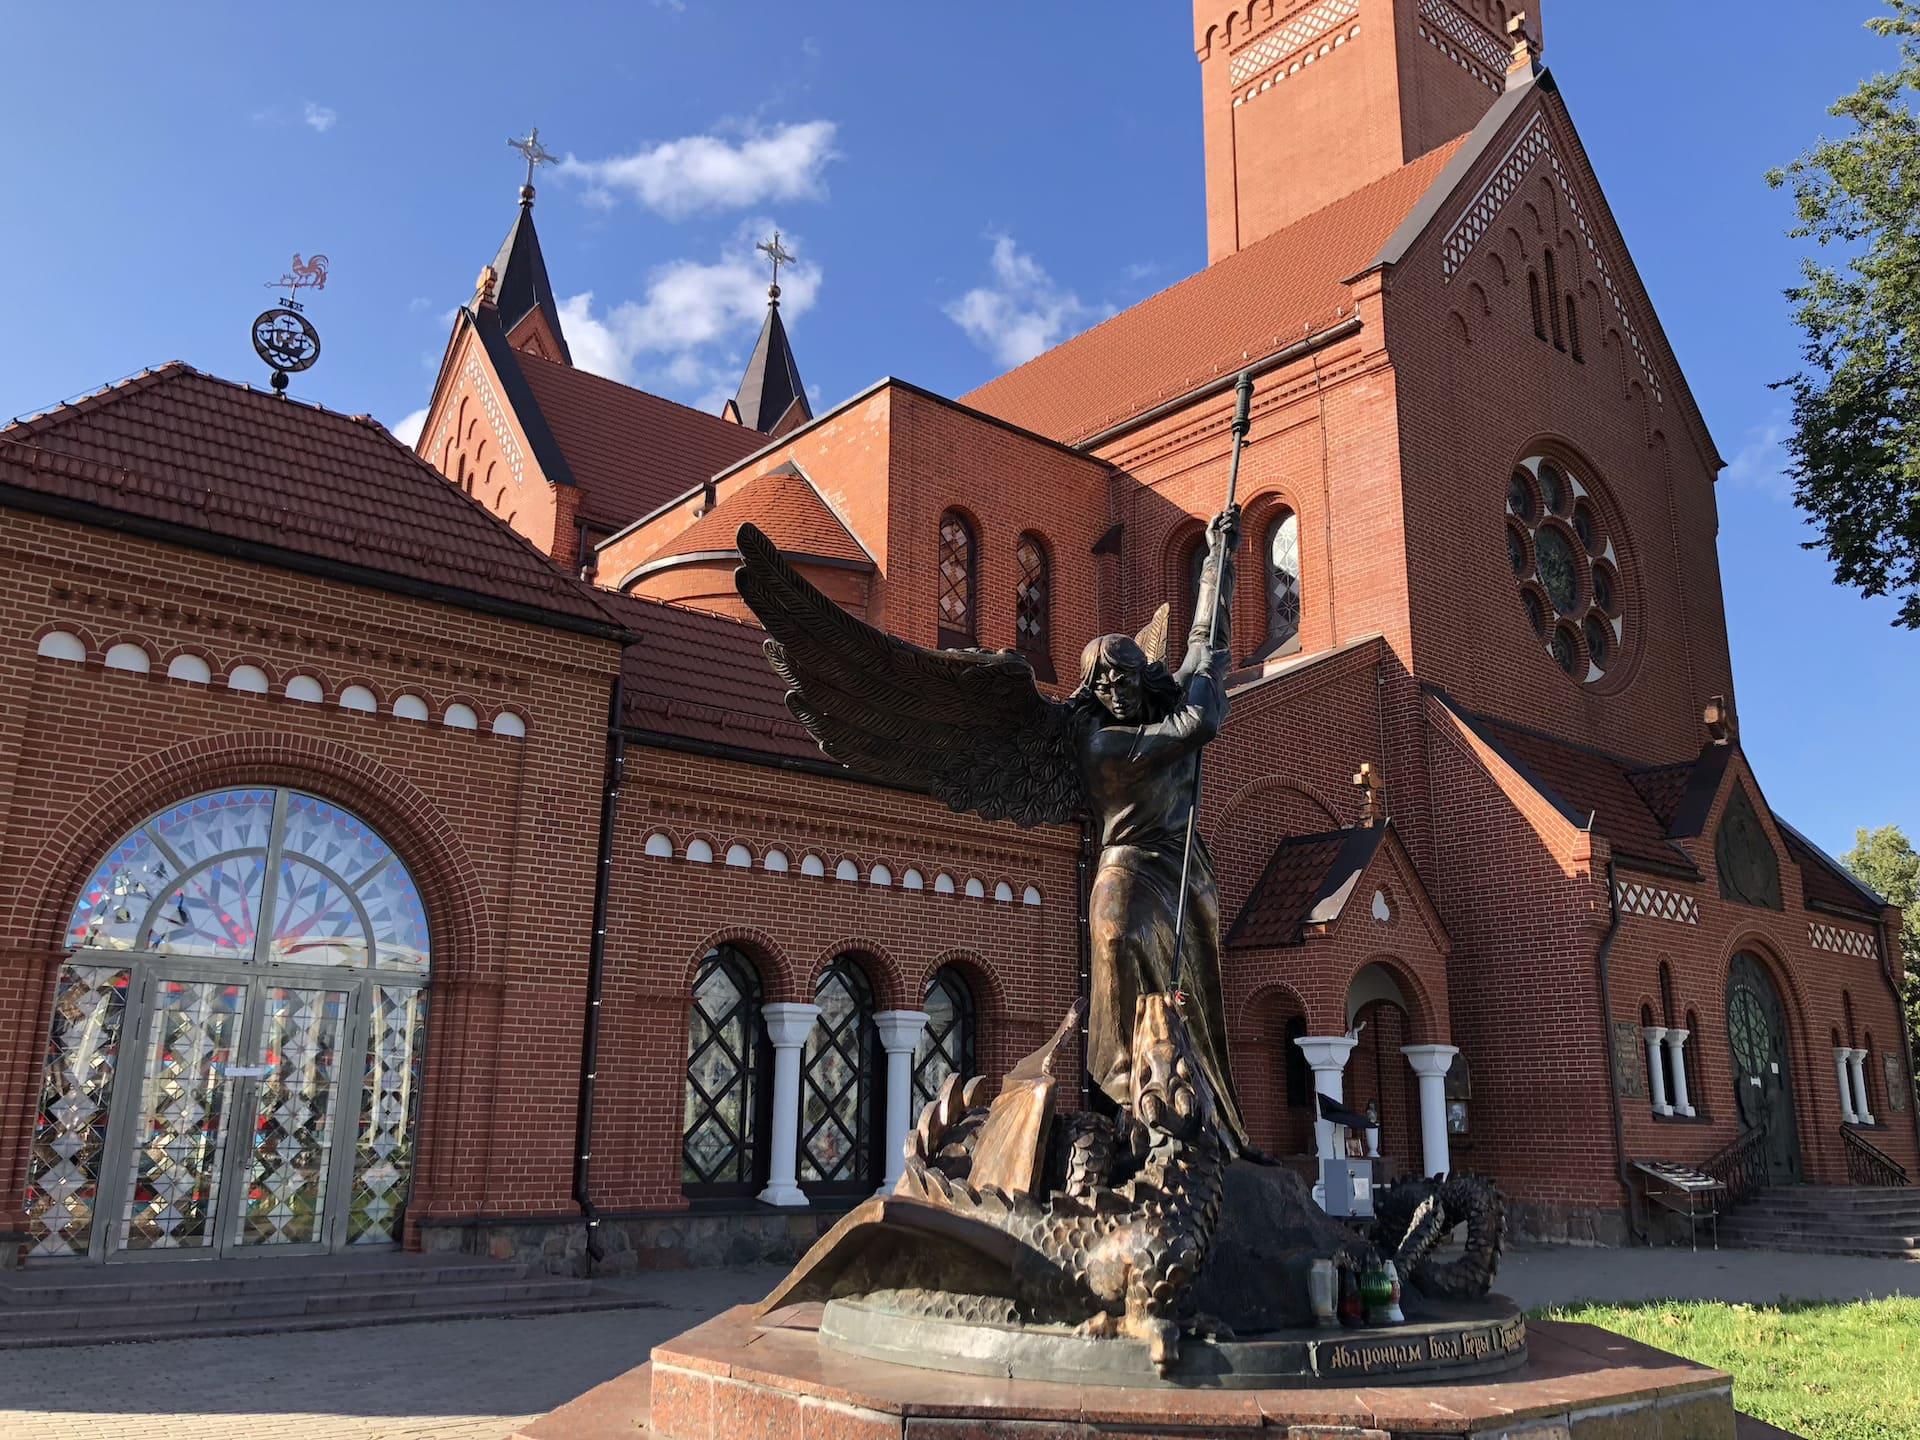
x,y
705,678
1242,307
783,504
630,452
185,453
1304,872
1663,787
1587,782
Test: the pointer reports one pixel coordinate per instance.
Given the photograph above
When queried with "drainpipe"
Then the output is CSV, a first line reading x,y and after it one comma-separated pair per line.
x,y
596,970
1912,1096
1605,961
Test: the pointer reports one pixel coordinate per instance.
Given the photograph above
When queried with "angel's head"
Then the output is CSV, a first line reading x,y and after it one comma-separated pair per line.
x,y
1116,675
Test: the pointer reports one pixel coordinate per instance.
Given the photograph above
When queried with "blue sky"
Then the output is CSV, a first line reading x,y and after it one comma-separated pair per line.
x,y
961,183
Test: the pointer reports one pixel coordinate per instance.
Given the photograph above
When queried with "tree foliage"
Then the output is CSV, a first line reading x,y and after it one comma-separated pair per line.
x,y
1856,406
1884,860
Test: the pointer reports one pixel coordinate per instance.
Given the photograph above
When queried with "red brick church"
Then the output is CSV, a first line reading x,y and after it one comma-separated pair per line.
x,y
415,849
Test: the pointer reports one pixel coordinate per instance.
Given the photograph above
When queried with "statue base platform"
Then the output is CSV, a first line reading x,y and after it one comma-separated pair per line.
x,y
735,1377
1461,1341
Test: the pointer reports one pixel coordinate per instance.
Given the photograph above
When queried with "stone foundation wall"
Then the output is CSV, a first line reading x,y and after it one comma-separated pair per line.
x,y
1532,1223
685,1240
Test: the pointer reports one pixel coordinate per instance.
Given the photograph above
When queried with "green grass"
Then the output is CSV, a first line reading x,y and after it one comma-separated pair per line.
x,y
1825,1370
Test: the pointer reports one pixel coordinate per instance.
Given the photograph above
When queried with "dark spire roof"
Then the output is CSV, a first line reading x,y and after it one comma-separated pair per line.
x,y
772,382
521,285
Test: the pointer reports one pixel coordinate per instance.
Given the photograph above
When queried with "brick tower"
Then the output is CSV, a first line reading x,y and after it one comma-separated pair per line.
x,y
1308,100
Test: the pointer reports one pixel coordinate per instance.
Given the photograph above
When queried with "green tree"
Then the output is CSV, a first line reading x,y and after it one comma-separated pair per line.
x,y
1884,860
1856,407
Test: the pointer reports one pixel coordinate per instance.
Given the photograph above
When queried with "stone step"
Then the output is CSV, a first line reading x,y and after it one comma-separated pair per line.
x,y
1816,1245
1821,1224
1820,1207
450,1309
155,1284
87,1319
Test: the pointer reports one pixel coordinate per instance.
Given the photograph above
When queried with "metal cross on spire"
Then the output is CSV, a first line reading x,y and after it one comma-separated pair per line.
x,y
534,153
777,253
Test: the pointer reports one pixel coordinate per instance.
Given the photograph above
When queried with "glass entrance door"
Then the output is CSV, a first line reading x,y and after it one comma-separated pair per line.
x,y
232,1145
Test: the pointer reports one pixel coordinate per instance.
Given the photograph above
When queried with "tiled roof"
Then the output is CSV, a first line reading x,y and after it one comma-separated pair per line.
x,y
630,452
1826,880
787,508
1584,783
705,678
772,379
1663,787
205,461
1307,881
521,278
1241,308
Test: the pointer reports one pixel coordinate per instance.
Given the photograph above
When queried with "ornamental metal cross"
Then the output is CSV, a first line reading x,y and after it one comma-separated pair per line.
x,y
775,252
533,151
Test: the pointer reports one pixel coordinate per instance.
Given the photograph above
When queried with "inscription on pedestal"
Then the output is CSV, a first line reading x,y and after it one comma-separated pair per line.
x,y
1384,1357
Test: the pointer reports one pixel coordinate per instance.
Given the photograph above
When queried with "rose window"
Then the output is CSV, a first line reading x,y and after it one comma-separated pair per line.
x,y
1561,550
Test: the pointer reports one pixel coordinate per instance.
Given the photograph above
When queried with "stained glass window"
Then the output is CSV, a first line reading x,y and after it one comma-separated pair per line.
x,y
957,561
837,1082
1031,615
76,1088
1283,584
721,1114
1559,549
946,1045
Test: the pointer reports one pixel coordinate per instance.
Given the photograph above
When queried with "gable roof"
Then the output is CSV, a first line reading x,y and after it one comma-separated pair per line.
x,y
1828,884
188,458
1244,307
520,284
771,383
629,451
784,504
1308,881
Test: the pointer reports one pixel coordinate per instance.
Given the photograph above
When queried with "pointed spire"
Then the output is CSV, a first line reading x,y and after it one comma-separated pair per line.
x,y
520,270
771,389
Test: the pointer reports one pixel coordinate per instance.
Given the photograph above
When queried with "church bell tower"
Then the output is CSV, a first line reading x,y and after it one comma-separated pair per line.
x,y
1308,100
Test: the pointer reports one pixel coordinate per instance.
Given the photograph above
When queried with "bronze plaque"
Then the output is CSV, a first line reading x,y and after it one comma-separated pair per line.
x,y
1629,1067
1415,1352
1898,1093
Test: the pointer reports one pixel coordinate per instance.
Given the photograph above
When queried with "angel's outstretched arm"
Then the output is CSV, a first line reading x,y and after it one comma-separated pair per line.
x,y
1216,580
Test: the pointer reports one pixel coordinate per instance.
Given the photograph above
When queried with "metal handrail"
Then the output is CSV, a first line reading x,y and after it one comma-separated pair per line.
x,y
1741,1166
1868,1164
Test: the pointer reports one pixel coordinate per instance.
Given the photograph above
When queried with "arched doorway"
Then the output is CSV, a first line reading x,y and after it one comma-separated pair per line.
x,y
234,1058
840,1086
1762,1073
1377,1071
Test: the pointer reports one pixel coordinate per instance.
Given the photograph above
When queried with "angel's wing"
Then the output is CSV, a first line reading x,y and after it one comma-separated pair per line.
x,y
1153,640
969,726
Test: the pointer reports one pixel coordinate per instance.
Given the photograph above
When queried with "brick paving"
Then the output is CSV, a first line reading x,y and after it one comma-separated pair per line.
x,y
454,1380
483,1379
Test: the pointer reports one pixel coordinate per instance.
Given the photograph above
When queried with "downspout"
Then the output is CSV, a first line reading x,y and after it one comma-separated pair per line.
x,y
596,971
1900,1016
1605,961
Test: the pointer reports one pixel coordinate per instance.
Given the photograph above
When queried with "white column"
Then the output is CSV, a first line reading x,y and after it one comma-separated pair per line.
x,y
1677,1054
787,1030
1328,1057
1657,1072
900,1032
1842,1067
1431,1063
1860,1087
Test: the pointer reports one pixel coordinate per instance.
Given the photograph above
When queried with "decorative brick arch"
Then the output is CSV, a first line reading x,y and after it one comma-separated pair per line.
x,y
1259,1001
778,981
462,933
1764,948
94,648
989,993
1270,784
889,980
1423,1019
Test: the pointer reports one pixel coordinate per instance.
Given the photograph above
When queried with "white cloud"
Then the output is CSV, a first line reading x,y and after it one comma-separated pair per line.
x,y
696,173
321,117
1761,464
407,432
1023,312
688,334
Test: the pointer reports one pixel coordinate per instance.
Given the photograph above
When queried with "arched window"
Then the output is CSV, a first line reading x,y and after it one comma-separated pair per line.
x,y
1539,306
1573,329
946,1045
1196,567
959,563
1690,1058
726,1043
839,1083
1281,561
1299,1073
1032,616
254,927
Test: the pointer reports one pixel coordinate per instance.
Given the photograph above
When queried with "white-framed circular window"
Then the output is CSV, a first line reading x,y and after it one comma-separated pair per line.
x,y
1561,548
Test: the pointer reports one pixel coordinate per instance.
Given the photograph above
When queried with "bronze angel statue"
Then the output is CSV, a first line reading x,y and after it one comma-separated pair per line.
x,y
974,729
